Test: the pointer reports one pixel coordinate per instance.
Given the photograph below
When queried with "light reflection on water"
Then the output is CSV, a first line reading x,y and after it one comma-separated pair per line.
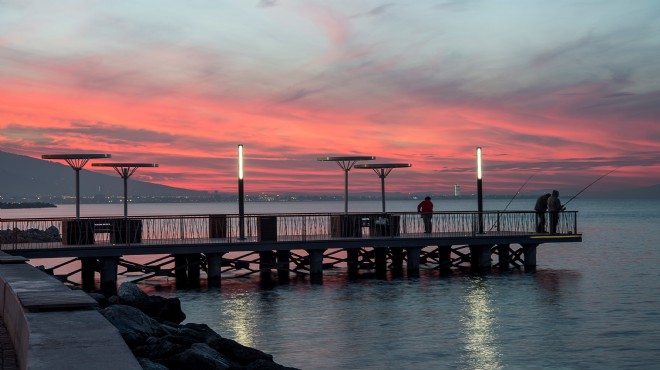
x,y
479,322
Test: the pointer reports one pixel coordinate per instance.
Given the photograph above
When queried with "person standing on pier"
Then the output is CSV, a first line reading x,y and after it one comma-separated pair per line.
x,y
540,207
425,208
554,207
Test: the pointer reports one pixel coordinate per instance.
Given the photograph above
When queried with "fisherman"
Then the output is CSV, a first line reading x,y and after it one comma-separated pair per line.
x,y
540,208
425,209
554,207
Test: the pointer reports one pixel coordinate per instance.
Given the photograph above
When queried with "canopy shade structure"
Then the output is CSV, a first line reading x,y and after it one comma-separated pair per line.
x,y
346,163
382,170
125,170
77,162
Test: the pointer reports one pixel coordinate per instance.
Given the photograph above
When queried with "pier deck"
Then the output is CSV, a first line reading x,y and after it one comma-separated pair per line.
x,y
366,240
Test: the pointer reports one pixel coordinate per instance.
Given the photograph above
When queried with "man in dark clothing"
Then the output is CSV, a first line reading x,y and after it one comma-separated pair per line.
x,y
540,208
425,208
554,207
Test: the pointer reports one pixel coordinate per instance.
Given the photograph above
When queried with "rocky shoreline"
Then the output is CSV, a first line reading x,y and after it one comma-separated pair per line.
x,y
151,326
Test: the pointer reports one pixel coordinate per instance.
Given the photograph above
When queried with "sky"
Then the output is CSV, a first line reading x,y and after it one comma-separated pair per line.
x,y
557,93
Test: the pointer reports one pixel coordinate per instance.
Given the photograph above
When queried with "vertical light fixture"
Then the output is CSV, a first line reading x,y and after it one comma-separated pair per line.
x,y
241,194
480,200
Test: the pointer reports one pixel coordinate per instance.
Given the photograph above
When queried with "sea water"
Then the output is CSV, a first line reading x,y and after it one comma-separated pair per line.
x,y
589,305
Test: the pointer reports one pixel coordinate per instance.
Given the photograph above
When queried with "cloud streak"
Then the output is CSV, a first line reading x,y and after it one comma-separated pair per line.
x,y
407,82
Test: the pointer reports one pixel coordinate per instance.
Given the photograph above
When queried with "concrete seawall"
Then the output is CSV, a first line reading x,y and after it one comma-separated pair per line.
x,y
53,327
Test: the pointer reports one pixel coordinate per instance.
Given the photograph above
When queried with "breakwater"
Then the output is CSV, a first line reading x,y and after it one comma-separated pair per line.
x,y
54,327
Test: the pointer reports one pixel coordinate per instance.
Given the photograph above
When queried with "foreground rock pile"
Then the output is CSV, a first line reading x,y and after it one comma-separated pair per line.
x,y
151,327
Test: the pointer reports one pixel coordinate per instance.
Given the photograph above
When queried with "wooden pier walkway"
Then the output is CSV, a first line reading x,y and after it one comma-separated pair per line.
x,y
286,243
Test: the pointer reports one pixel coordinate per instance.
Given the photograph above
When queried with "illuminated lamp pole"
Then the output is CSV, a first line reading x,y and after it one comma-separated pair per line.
x,y
241,195
346,163
77,162
125,170
480,199
382,170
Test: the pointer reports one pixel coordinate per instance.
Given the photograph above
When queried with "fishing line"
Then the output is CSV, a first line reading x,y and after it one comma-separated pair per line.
x,y
588,186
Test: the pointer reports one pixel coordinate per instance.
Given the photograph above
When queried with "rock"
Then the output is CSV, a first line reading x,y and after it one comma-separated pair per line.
x,y
236,351
131,295
165,309
150,365
201,356
100,298
201,332
133,325
159,349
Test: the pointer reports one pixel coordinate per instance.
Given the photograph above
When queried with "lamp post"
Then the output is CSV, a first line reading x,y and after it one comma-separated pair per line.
x,y
77,162
241,195
382,170
125,170
480,200
346,163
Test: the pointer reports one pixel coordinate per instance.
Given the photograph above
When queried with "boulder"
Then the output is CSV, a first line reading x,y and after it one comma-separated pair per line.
x,y
164,309
159,349
201,356
133,325
236,351
147,364
131,295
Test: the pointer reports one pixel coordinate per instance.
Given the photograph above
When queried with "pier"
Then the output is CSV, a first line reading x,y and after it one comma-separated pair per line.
x,y
280,245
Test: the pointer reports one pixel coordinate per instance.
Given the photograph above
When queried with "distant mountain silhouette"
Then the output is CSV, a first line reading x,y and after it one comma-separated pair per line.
x,y
25,176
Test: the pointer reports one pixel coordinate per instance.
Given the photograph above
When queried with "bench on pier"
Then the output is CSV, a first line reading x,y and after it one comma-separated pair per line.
x,y
378,224
82,231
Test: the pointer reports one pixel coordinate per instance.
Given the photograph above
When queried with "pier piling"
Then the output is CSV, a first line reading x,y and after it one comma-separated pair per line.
x,y
108,267
213,268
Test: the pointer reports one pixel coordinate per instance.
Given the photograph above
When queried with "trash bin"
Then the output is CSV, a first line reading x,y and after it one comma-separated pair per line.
x,y
126,231
346,226
267,228
77,232
217,226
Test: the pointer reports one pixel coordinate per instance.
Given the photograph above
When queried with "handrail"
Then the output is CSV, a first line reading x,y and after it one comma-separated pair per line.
x,y
273,227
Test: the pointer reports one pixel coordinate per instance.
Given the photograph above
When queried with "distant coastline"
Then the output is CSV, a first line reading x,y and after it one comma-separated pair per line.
x,y
4,205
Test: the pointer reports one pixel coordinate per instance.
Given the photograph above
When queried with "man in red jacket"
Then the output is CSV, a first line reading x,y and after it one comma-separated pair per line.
x,y
425,208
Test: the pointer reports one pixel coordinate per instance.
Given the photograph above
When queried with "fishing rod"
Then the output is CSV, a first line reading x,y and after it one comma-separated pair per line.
x,y
515,195
588,186
518,192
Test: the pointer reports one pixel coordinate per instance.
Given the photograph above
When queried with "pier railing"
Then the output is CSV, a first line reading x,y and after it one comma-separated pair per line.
x,y
42,233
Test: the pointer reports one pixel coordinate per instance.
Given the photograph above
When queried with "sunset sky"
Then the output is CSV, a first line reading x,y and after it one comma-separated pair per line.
x,y
562,90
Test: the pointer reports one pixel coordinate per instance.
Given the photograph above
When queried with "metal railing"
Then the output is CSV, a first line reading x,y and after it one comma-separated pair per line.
x,y
43,233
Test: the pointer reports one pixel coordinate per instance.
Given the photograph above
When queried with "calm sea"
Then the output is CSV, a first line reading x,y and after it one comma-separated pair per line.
x,y
589,305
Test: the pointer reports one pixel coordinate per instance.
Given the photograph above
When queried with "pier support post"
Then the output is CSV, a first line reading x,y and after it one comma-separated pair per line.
x,y
352,257
397,261
529,252
283,259
214,268
504,259
316,264
194,267
108,267
412,266
181,270
480,257
88,266
380,257
444,259
266,259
